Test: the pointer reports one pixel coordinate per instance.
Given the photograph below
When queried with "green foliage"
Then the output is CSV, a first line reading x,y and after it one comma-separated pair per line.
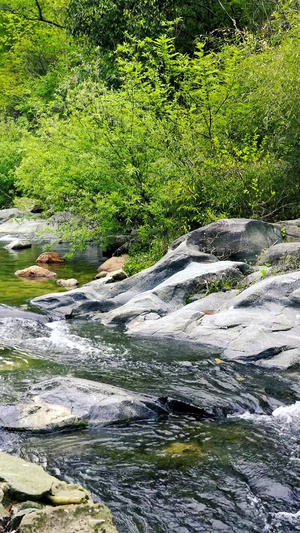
x,y
147,124
224,284
110,22
10,137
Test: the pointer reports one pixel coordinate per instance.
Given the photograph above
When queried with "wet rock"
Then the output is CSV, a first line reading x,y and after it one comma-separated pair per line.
x,y
18,244
36,272
280,252
50,257
113,264
15,313
77,403
236,239
68,283
71,402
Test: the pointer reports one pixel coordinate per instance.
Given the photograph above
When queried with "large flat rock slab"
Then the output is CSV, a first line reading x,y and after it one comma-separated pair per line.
x,y
71,402
99,296
174,291
85,518
64,402
260,325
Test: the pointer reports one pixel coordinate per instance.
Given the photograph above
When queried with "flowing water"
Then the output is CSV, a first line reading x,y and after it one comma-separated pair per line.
x,y
175,474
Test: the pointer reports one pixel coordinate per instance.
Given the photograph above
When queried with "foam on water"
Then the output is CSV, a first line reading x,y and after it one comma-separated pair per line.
x,y
285,417
28,335
288,415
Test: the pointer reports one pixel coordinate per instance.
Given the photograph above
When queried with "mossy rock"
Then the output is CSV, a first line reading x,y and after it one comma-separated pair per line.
x,y
184,448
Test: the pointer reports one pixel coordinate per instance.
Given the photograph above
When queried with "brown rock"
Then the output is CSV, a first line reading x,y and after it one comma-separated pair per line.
x,y
50,257
114,263
35,272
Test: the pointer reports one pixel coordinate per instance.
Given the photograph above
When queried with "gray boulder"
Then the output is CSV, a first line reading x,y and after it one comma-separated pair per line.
x,y
281,253
23,227
260,325
178,274
102,295
237,239
70,402
6,214
173,292
18,244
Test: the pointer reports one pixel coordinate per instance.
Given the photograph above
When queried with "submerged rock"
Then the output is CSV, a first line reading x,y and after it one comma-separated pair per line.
x,y
71,402
50,257
36,272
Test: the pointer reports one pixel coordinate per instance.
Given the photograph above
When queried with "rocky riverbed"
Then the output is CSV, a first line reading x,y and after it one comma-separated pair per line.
x,y
150,415
232,286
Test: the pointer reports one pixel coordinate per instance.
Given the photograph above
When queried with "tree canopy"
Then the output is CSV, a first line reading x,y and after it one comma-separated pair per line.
x,y
149,115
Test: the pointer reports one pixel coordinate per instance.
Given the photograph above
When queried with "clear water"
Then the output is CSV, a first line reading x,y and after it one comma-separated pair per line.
x,y
176,474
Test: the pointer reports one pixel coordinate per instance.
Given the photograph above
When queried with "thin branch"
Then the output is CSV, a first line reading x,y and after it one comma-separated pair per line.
x,y
40,17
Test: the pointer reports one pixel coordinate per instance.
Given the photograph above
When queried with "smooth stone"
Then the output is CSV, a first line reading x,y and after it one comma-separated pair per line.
x,y
6,214
101,275
102,295
77,403
18,244
35,271
260,325
114,263
236,238
67,283
281,253
66,494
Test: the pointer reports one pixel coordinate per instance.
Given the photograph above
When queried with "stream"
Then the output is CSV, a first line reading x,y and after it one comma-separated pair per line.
x,y
174,474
